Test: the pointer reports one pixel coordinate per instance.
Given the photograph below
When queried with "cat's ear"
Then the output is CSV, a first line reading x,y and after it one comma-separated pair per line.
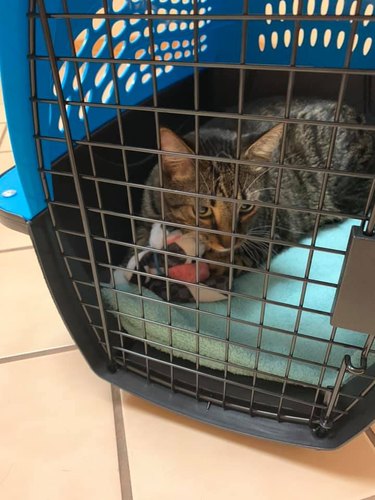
x,y
266,145
177,168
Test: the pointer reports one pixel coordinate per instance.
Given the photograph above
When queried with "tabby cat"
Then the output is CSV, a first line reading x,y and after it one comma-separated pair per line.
x,y
261,142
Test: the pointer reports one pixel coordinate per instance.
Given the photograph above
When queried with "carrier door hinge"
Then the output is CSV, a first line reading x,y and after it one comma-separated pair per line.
x,y
326,423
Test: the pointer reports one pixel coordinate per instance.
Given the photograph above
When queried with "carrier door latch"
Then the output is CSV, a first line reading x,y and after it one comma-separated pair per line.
x,y
325,422
354,306
353,309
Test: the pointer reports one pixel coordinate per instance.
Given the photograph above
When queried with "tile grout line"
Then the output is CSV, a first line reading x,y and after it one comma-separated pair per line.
x,y
370,435
122,453
3,134
37,354
16,249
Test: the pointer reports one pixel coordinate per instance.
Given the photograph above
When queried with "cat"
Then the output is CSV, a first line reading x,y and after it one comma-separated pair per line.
x,y
261,142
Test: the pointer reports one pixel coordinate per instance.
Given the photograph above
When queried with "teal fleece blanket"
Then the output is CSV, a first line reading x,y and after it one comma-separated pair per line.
x,y
239,354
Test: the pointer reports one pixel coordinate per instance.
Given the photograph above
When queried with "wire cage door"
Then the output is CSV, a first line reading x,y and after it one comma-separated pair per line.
x,y
106,76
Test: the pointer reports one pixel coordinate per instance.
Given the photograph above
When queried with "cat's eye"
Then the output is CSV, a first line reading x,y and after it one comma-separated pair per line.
x,y
204,211
246,208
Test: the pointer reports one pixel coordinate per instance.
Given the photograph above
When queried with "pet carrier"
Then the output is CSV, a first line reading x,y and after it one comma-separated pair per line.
x,y
287,353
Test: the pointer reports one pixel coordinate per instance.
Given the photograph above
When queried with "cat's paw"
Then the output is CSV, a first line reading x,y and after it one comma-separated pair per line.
x,y
120,277
156,236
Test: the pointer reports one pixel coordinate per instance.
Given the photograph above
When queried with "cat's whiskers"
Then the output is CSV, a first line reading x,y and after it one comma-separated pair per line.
x,y
249,253
262,246
256,252
252,230
262,252
216,178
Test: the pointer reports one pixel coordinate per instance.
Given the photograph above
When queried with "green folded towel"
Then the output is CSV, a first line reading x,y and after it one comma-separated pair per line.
x,y
314,331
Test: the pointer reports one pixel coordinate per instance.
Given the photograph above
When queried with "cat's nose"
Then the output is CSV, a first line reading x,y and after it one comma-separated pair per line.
x,y
225,240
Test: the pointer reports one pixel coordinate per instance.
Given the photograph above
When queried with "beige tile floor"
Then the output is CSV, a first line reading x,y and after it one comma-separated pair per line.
x,y
65,434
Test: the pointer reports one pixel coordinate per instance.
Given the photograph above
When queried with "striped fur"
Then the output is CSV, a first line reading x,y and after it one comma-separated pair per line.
x,y
247,185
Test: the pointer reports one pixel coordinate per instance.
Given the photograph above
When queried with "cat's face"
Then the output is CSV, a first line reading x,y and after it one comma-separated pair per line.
x,y
233,209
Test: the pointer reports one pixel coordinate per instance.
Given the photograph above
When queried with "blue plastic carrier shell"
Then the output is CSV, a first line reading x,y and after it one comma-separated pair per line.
x,y
321,43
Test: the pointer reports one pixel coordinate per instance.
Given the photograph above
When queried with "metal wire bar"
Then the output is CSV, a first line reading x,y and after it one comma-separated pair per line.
x,y
38,142
330,344
70,146
88,138
238,384
371,223
225,342
197,188
215,65
209,261
124,355
203,17
340,99
216,114
291,208
200,157
254,270
369,228
211,399
288,103
346,366
123,152
358,371
215,315
160,164
234,211
246,346
211,359
356,400
233,382
39,151
235,294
